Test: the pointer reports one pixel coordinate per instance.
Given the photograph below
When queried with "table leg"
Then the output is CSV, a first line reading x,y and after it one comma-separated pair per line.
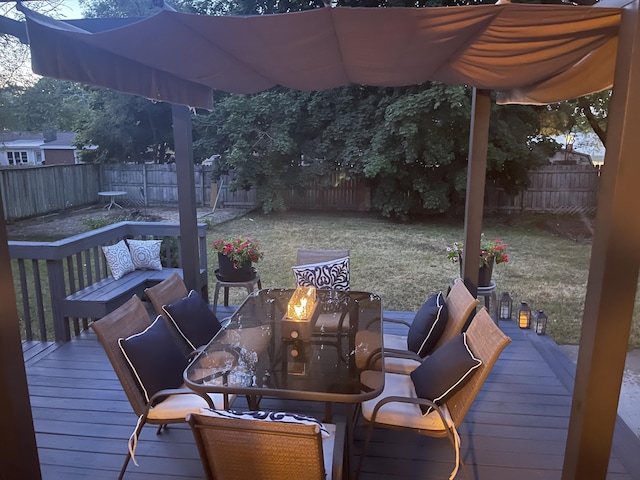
x,y
348,441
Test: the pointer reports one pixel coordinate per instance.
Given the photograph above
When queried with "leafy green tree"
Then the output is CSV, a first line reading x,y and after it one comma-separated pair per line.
x,y
51,104
585,114
119,8
125,128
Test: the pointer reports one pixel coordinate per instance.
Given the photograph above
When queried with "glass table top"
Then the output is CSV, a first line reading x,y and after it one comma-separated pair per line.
x,y
263,352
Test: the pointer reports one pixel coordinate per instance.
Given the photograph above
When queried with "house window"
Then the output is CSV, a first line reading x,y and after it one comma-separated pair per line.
x,y
17,158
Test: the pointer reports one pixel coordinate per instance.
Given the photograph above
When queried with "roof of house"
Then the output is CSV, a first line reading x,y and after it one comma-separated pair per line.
x,y
63,141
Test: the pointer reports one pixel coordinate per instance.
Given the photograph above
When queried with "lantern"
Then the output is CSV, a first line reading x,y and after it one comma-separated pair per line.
x,y
302,304
541,323
298,322
505,306
524,315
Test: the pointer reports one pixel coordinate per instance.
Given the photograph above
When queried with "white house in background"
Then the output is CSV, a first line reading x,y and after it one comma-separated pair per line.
x,y
570,156
210,161
583,144
23,148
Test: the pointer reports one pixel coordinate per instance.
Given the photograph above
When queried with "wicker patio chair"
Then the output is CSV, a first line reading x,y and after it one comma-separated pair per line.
x,y
166,292
397,358
164,407
399,407
237,448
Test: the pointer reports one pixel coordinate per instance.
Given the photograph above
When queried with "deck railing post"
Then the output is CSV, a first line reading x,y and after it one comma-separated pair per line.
x,y
55,273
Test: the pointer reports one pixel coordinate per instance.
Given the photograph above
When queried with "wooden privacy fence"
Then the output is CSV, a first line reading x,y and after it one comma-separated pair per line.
x,y
32,191
152,184
335,193
560,189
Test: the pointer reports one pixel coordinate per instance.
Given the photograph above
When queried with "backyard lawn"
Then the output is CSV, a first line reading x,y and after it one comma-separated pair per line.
x,y
406,263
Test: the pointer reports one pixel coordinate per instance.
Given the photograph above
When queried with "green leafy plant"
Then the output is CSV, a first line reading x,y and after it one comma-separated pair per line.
x,y
239,250
494,250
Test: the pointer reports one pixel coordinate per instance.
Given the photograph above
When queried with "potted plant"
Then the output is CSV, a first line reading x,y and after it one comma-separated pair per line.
x,y
235,258
491,252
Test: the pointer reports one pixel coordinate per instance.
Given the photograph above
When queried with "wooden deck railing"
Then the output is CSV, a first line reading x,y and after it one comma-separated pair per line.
x,y
46,272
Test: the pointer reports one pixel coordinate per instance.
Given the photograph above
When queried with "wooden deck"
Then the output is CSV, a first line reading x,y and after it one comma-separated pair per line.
x,y
516,429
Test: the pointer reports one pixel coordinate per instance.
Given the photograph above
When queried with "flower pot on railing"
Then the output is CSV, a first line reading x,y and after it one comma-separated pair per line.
x,y
229,273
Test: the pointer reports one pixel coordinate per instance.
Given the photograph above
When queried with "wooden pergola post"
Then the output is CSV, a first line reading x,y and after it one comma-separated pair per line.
x,y
189,248
613,272
19,453
476,173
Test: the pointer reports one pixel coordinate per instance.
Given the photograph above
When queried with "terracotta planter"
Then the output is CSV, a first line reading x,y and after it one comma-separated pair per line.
x,y
230,274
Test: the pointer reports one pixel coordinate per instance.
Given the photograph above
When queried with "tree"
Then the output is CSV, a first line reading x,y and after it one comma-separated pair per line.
x,y
15,69
411,143
49,104
125,128
584,114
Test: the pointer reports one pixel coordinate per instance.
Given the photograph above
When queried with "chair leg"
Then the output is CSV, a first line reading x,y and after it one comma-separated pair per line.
x,y
464,470
131,444
364,449
454,439
124,466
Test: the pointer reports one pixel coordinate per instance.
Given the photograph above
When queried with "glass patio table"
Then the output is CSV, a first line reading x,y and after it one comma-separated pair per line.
x,y
261,352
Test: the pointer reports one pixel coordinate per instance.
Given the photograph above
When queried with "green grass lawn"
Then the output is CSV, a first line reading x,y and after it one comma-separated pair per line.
x,y
406,263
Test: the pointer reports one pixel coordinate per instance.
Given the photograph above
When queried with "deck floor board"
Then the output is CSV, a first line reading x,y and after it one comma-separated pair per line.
x,y
517,427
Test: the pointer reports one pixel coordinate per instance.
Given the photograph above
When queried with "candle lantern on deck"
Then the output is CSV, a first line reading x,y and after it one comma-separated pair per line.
x,y
505,306
541,323
524,315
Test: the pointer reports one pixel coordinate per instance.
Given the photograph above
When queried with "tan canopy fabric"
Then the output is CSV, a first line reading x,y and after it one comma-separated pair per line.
x,y
528,53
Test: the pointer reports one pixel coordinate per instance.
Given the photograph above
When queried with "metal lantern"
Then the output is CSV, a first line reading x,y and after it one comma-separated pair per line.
x,y
505,306
541,323
524,315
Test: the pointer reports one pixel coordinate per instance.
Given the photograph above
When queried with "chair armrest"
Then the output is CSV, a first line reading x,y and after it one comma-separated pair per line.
x,y
397,321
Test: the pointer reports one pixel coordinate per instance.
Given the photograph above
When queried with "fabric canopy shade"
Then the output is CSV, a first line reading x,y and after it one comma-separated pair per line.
x,y
535,54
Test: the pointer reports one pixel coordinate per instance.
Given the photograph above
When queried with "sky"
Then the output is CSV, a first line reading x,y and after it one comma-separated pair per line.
x,y
70,9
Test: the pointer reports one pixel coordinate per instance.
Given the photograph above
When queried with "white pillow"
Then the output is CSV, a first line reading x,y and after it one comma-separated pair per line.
x,y
333,274
267,416
145,254
118,259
